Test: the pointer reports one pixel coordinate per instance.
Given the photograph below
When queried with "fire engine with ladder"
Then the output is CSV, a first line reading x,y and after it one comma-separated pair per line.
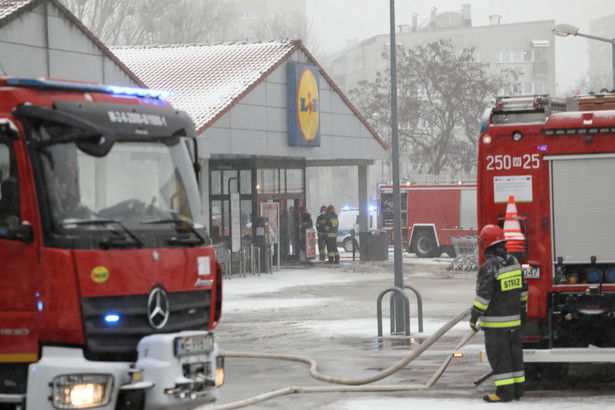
x,y
552,161
109,283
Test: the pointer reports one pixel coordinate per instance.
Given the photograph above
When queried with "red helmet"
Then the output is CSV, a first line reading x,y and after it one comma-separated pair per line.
x,y
490,235
330,208
302,209
323,208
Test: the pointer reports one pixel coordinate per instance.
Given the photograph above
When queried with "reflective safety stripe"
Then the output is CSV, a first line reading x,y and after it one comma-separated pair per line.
x,y
511,268
506,275
504,382
481,306
500,321
505,379
499,325
481,303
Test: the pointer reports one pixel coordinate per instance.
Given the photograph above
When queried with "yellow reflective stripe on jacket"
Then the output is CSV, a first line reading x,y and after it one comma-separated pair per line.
x,y
497,322
481,306
498,325
509,274
481,303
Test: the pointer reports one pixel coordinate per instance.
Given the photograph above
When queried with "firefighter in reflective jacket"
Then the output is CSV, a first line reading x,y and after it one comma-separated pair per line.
x,y
321,223
500,302
331,225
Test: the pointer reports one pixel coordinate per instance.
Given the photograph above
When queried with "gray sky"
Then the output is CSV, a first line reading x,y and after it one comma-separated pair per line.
x,y
337,21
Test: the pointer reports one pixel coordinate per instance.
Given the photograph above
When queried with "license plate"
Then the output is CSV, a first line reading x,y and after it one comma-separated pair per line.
x,y
531,272
192,345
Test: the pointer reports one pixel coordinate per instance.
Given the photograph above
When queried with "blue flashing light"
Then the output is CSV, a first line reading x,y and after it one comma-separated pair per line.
x,y
372,208
40,306
112,318
89,88
139,92
346,207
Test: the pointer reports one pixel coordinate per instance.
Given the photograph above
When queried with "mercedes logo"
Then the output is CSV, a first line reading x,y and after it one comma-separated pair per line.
x,y
158,308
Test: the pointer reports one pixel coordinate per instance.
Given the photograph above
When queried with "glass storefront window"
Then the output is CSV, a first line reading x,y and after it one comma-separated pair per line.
x,y
215,183
294,181
268,181
245,178
226,176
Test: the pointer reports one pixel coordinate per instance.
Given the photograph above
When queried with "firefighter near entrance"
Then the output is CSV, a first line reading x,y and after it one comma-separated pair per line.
x,y
500,310
331,225
321,223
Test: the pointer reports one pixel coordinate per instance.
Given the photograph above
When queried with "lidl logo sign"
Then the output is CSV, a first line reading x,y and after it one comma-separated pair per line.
x,y
303,105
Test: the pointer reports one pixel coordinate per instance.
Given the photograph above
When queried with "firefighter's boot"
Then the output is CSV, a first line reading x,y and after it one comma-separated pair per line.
x,y
337,259
330,260
493,398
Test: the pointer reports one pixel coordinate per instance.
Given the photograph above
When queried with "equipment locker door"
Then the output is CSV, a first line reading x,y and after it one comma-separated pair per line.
x,y
582,198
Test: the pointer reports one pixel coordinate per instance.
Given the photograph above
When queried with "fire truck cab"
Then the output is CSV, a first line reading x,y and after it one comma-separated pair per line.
x,y
110,285
556,158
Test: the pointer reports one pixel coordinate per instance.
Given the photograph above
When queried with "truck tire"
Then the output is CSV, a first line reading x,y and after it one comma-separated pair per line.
x,y
425,245
347,245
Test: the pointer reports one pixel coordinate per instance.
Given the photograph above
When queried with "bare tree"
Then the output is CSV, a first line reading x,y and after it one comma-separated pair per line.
x,y
442,93
130,22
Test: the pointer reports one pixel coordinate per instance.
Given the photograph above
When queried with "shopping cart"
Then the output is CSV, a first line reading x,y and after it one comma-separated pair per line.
x,y
466,253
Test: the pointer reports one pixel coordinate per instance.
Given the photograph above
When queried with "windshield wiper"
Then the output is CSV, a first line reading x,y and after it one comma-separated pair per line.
x,y
123,242
174,240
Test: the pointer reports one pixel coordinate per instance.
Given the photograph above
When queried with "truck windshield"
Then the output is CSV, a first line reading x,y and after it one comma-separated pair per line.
x,y
142,193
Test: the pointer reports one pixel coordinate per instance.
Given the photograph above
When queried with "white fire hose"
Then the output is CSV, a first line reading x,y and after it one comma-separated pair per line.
x,y
352,385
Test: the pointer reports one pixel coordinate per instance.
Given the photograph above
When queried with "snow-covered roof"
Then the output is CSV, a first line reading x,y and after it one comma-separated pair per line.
x,y
9,7
209,79
206,79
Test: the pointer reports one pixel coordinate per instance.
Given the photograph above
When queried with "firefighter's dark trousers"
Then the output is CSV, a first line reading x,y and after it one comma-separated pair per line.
x,y
505,355
322,246
334,256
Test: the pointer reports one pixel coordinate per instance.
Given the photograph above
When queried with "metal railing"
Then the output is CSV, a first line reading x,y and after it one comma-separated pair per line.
x,y
248,259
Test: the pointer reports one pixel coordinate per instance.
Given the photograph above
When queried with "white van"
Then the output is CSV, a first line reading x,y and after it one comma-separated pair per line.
x,y
348,219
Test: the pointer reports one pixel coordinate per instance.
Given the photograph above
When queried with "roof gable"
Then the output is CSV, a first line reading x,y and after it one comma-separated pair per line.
x,y
10,10
209,79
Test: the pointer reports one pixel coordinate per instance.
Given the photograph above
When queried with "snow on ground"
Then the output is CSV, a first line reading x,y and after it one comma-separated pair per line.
x,y
474,403
259,293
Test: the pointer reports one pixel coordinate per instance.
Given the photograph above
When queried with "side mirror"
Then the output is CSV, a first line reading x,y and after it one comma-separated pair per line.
x,y
24,232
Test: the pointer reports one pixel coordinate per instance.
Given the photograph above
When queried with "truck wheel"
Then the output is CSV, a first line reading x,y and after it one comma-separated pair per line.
x,y
347,245
425,245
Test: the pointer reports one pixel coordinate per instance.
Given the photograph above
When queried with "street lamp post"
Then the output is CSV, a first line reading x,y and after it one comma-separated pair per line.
x,y
397,302
565,30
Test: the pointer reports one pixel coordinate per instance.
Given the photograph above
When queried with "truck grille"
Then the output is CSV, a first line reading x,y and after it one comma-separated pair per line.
x,y
118,341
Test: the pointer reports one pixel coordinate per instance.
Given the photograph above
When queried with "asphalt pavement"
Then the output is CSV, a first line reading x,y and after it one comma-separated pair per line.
x,y
329,314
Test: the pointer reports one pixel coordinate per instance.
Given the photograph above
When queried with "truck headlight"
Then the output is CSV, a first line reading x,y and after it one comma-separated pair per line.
x,y
219,371
81,391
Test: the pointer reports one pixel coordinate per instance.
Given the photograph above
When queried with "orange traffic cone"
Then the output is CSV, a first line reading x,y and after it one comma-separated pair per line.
x,y
515,240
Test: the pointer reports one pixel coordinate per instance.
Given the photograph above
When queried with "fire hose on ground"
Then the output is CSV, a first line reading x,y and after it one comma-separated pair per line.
x,y
352,385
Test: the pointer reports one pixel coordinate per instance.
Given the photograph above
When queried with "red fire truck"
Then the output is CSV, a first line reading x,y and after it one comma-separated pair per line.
x,y
431,216
110,285
556,158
